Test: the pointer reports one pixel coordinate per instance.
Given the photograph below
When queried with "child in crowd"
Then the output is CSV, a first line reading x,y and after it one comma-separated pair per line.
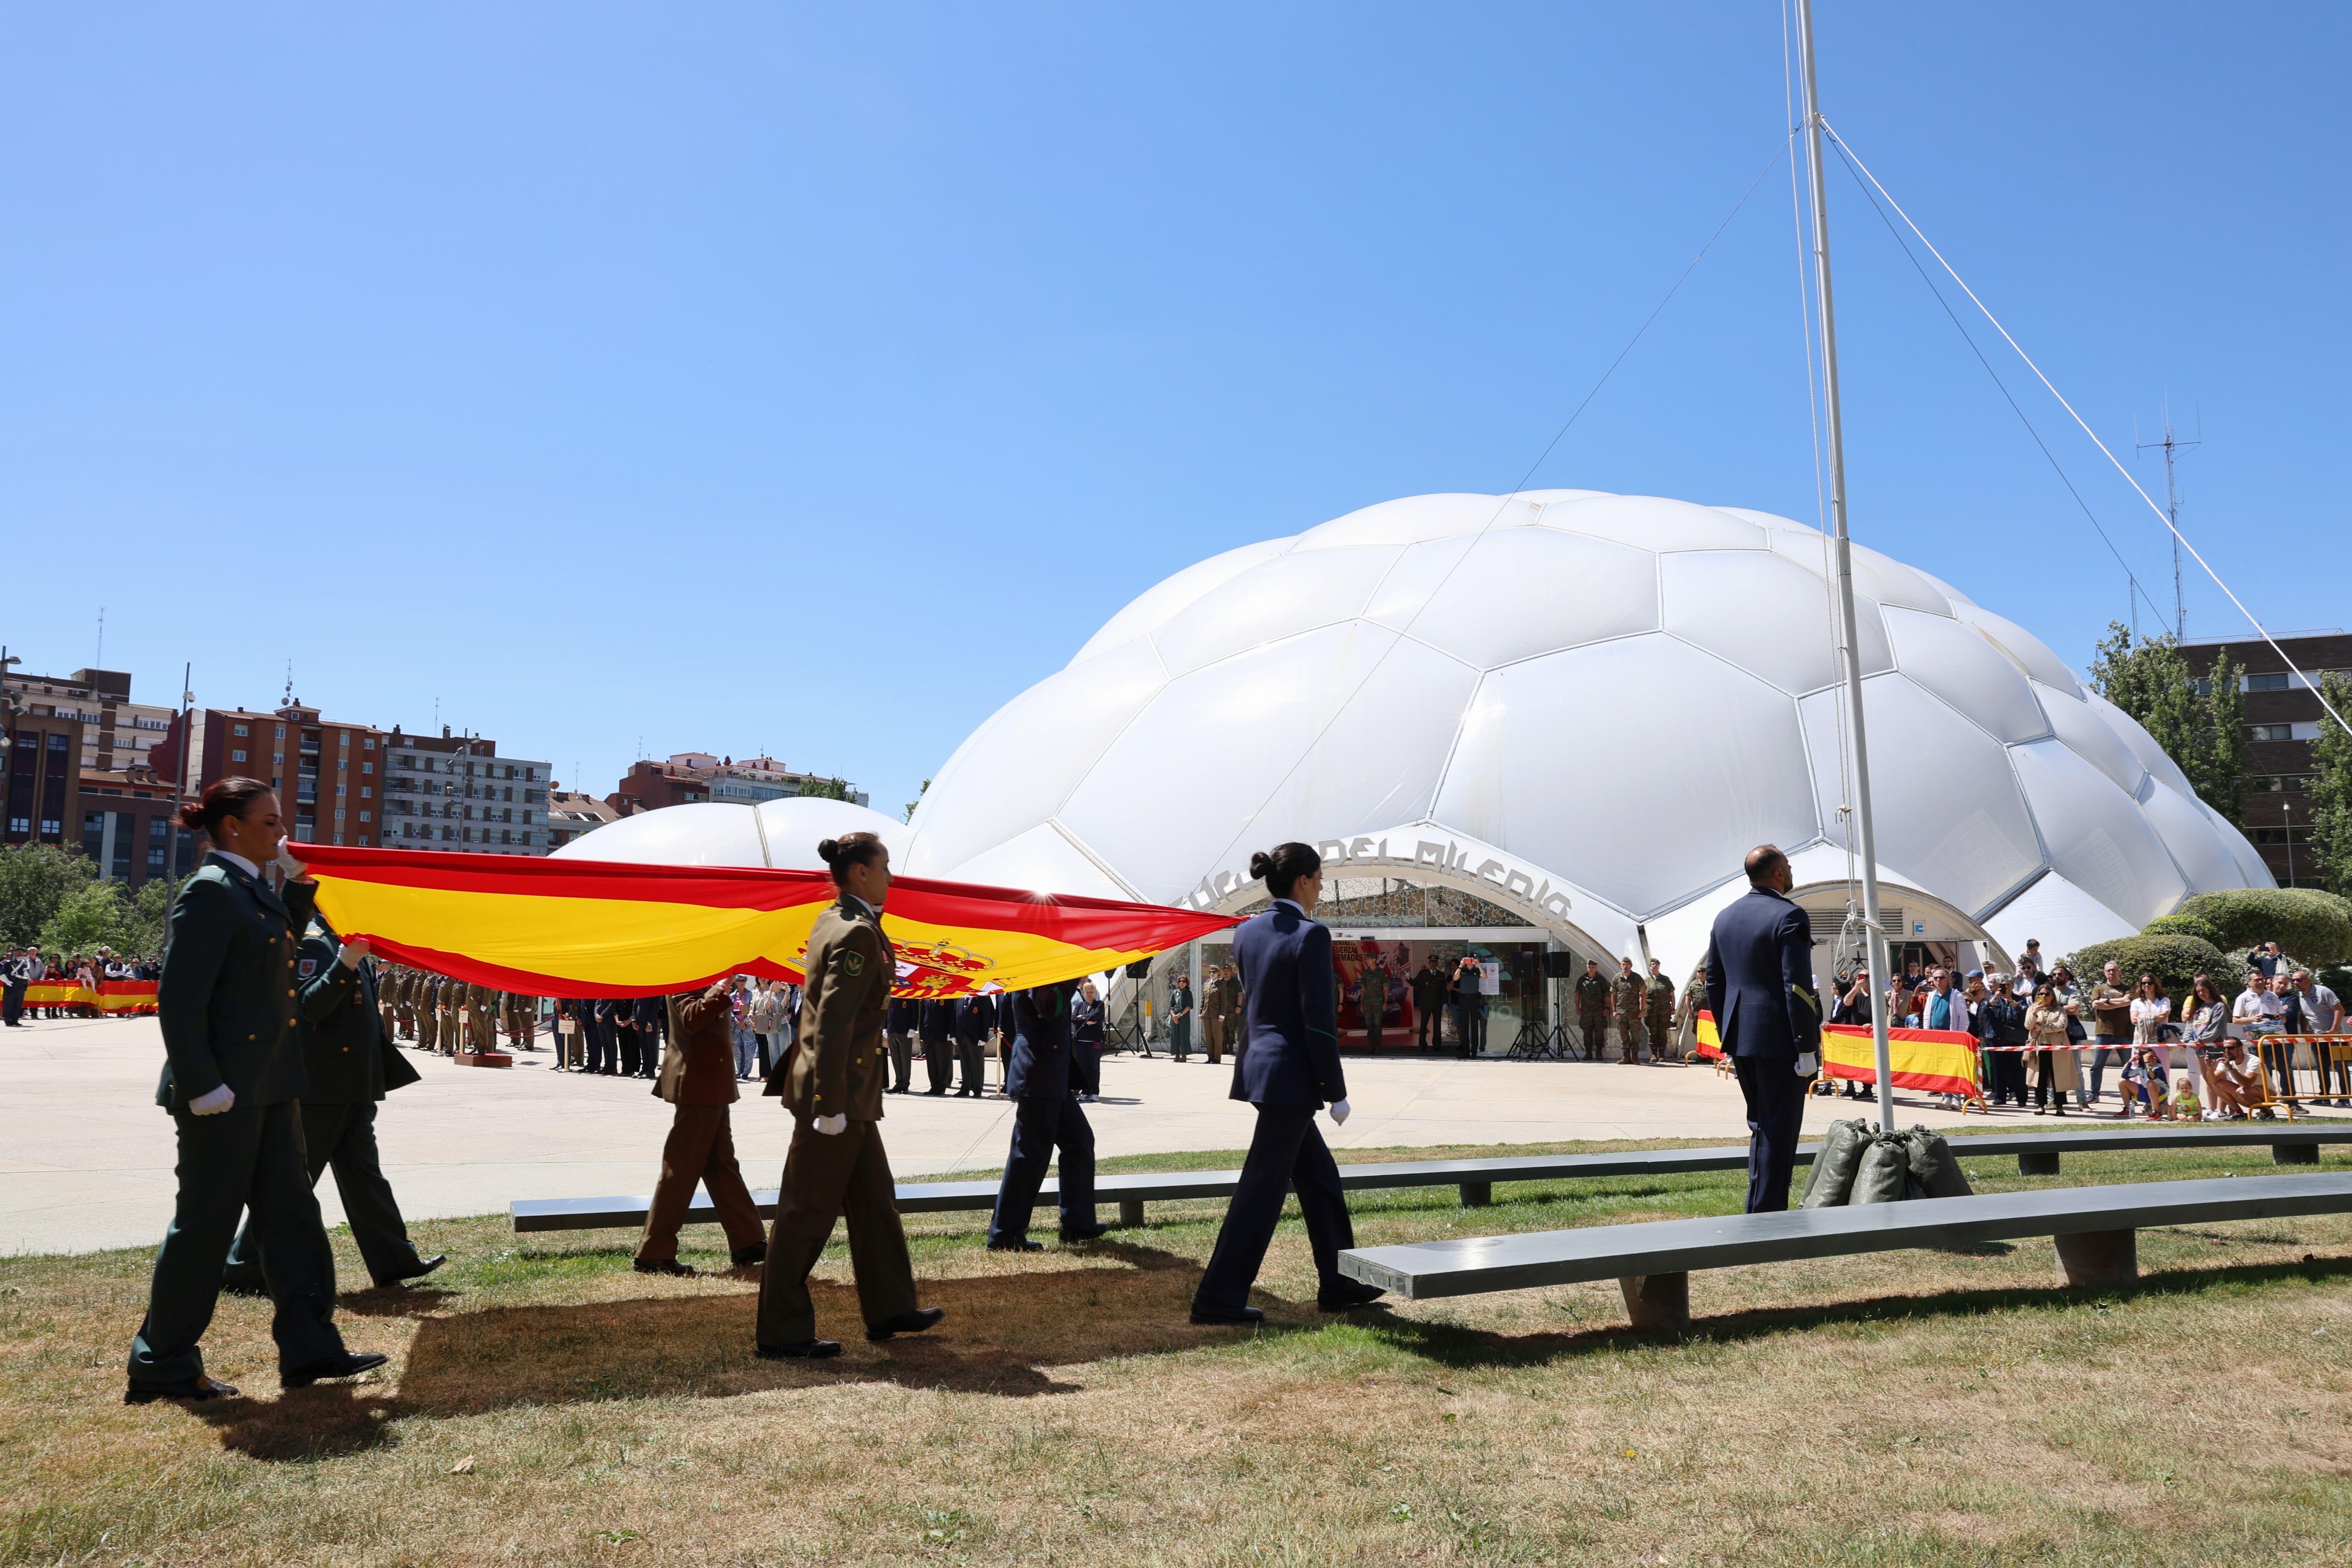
x,y
2143,1085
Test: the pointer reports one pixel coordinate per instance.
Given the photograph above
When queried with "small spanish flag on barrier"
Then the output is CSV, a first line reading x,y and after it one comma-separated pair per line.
x,y
587,927
1938,1061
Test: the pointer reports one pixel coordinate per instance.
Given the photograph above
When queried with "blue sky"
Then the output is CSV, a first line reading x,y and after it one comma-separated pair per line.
x,y
814,379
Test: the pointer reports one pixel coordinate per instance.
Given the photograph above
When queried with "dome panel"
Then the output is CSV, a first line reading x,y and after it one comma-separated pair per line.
x,y
1653,522
1957,664
1534,775
1412,520
705,833
1525,591
2202,851
1892,584
2250,864
1712,598
794,826
1179,789
2152,757
1041,860
1949,817
2031,653
2098,837
2087,733
1018,767
1292,592
1152,609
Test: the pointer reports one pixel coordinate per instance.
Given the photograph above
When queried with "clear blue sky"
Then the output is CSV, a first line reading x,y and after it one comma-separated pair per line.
x,y
816,378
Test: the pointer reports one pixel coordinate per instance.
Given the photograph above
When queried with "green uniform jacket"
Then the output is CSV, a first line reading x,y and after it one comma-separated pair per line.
x,y
838,1065
226,997
1591,995
344,1053
1662,1001
1633,995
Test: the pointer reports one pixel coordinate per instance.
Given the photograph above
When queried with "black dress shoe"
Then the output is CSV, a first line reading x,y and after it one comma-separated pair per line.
x,y
662,1265
807,1350
1024,1245
198,1387
1083,1232
1346,1296
909,1322
1231,1316
935,1091
423,1266
343,1364
755,1253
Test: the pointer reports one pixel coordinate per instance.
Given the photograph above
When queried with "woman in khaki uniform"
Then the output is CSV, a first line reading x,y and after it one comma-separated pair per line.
x,y
832,1083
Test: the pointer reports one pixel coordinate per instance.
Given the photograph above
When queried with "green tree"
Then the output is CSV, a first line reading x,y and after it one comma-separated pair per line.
x,y
917,800
2202,731
35,879
144,916
2331,788
89,918
825,789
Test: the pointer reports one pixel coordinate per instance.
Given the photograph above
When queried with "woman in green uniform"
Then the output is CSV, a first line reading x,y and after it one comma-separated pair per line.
x,y
233,1080
832,1083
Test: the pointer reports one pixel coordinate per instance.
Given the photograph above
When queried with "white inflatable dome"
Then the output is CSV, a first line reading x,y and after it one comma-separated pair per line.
x,y
778,833
1594,704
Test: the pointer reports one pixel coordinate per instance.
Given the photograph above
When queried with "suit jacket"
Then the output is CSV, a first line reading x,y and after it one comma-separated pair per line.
x,y
838,1065
1040,1065
345,1057
1759,978
698,1068
935,1022
606,1010
226,999
975,1016
902,1017
645,1012
1291,1018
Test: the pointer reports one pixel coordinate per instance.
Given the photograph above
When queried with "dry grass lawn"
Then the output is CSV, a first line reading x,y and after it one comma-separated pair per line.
x,y
545,1405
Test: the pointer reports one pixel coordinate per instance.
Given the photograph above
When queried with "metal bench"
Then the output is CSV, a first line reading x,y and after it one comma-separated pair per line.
x,y
1652,1263
2037,1154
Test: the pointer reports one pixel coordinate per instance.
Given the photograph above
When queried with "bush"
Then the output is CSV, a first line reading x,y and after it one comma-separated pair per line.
x,y
2312,926
35,879
2174,960
89,918
2183,924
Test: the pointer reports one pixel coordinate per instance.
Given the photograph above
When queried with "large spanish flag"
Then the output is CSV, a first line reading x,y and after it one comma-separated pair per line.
x,y
1940,1061
587,927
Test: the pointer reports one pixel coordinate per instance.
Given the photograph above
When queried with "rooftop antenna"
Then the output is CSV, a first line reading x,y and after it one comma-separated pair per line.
x,y
290,683
1849,646
100,662
2172,509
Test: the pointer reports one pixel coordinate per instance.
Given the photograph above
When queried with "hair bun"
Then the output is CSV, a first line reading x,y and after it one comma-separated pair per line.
x,y
192,815
829,849
1260,863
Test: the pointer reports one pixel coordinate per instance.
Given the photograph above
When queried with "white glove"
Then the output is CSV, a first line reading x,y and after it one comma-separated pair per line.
x,y
212,1103
286,862
829,1125
1338,1111
1807,1067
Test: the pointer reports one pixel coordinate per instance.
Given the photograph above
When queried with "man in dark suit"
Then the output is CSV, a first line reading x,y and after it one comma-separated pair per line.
x,y
975,1020
604,1025
935,1027
650,1013
898,1033
350,1065
1289,1070
1759,986
1045,1118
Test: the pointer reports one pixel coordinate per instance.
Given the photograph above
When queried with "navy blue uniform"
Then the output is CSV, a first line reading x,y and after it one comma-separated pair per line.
x,y
976,1018
1288,1068
650,1013
899,1034
1759,986
935,1027
1045,1118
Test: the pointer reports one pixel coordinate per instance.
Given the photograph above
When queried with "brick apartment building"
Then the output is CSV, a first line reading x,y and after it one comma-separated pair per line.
x,y
43,763
117,732
2283,719
128,826
328,774
689,777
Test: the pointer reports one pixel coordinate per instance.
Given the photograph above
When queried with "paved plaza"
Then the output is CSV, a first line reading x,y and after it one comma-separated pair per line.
x,y
86,1156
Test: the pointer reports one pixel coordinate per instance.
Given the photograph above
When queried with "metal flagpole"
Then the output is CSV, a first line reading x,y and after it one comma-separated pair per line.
x,y
1849,644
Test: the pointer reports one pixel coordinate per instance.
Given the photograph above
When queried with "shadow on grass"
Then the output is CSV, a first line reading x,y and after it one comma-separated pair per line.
x,y
1456,1346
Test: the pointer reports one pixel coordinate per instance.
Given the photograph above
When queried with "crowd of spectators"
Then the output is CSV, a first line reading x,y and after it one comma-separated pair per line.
x,y
25,967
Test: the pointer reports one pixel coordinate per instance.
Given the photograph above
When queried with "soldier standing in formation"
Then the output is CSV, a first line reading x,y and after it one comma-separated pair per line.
x,y
420,1008
836,1168
1214,987
1592,1008
1694,1002
1632,1006
971,1021
935,1028
648,1015
1372,997
450,1004
899,1029
1429,1003
1662,1014
697,1079
387,1008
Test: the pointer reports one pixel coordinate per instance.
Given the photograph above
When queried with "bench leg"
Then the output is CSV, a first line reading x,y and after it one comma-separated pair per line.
x,y
2295,1154
1478,1195
1658,1303
2099,1257
2038,1165
1130,1211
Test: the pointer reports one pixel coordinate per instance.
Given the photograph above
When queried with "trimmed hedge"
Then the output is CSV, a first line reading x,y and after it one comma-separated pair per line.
x,y
2173,959
2197,926
2311,926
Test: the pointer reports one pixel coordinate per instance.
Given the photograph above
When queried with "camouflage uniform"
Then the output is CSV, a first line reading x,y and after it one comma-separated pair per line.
x,y
1593,1011
1662,1016
1633,995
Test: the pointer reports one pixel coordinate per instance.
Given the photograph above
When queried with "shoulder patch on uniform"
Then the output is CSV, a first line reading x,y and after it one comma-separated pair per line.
x,y
853,963
308,967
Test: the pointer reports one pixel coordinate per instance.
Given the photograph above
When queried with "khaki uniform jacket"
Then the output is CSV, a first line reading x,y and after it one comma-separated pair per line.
x,y
839,1066
698,1063
1633,997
